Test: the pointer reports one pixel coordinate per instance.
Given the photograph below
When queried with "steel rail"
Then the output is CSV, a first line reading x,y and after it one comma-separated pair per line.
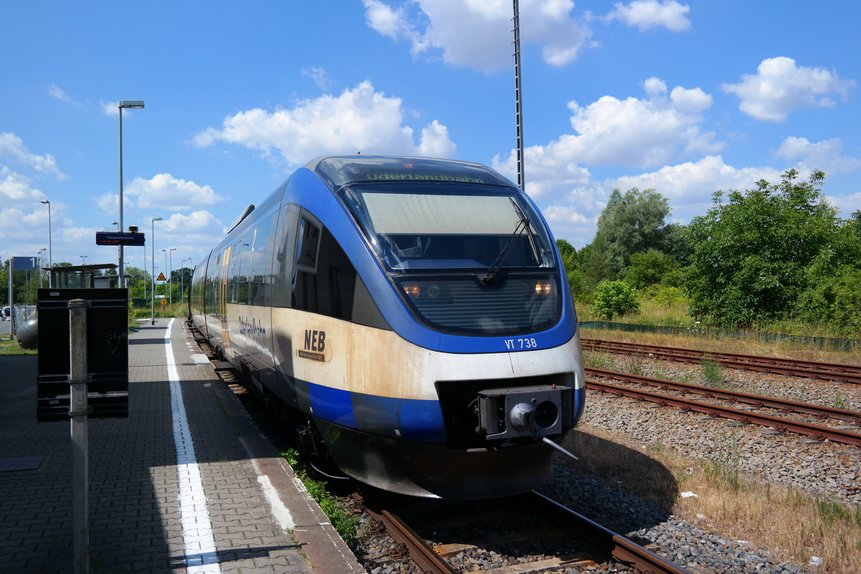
x,y
775,365
621,548
419,551
811,430
735,396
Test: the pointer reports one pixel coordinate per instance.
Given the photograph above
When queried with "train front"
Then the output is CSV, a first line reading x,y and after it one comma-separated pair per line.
x,y
484,357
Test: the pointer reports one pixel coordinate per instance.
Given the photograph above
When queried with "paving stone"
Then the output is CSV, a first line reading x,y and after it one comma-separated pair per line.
x,y
136,523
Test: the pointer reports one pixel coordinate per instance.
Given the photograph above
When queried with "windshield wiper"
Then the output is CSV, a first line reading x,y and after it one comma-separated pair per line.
x,y
523,224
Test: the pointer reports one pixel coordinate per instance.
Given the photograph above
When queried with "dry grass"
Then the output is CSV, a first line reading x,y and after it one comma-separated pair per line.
x,y
749,345
793,526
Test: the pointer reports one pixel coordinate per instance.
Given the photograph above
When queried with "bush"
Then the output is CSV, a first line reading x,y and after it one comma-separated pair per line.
x,y
615,298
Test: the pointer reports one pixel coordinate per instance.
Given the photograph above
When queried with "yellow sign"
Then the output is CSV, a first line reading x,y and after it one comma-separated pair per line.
x,y
164,302
161,277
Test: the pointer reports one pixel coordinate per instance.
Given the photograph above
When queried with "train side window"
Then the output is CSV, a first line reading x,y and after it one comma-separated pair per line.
x,y
328,289
307,245
260,275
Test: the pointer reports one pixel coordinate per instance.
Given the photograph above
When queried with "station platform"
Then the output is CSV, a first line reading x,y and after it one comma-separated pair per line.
x,y
185,484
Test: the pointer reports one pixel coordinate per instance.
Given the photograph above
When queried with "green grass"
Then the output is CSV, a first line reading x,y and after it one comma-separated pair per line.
x,y
343,522
12,347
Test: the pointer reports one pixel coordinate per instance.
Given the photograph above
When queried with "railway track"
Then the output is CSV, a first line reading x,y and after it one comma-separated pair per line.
x,y
819,432
774,365
606,544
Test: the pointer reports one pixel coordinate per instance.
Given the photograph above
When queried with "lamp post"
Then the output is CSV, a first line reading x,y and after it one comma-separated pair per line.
x,y
152,309
83,259
170,273
50,256
131,105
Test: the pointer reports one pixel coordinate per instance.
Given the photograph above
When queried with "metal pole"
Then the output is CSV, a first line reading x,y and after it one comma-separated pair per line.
x,y
152,276
152,310
80,439
11,305
144,268
50,254
170,273
121,279
518,97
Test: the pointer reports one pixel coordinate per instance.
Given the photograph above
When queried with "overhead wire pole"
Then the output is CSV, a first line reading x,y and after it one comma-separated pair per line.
x,y
518,97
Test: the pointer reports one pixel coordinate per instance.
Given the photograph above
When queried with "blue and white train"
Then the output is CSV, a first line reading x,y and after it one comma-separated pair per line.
x,y
413,313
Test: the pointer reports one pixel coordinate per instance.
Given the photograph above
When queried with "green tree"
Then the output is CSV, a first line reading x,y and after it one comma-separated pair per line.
x,y
615,298
749,255
650,268
632,223
832,279
573,272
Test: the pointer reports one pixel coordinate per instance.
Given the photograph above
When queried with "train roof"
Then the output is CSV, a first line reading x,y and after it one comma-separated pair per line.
x,y
339,171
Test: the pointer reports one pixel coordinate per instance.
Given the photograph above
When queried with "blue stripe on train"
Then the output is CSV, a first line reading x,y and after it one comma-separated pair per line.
x,y
416,420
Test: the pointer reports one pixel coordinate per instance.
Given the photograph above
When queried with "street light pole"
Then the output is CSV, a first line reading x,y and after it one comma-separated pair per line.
x,y
170,273
152,309
50,255
131,105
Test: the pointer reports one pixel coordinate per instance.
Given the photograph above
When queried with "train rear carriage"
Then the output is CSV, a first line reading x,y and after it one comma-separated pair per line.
x,y
414,311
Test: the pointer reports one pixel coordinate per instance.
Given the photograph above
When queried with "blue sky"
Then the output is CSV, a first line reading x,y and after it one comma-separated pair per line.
x,y
686,98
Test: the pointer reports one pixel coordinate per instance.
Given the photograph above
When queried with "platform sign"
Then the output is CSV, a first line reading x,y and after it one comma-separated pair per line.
x,y
132,238
107,353
25,263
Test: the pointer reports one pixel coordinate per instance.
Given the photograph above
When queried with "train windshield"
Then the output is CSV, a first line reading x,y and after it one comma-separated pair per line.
x,y
417,226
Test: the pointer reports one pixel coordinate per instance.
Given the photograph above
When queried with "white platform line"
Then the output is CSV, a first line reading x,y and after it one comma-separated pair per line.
x,y
200,552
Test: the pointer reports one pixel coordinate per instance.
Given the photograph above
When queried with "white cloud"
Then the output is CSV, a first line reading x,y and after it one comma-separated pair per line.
x,y
320,77
193,234
15,189
846,204
825,155
12,147
160,192
110,108
435,141
645,14
780,87
358,120
388,21
477,33
164,191
642,133
196,222
59,93
689,186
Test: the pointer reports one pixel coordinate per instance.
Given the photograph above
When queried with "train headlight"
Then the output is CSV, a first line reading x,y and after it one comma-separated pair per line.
x,y
412,289
543,288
